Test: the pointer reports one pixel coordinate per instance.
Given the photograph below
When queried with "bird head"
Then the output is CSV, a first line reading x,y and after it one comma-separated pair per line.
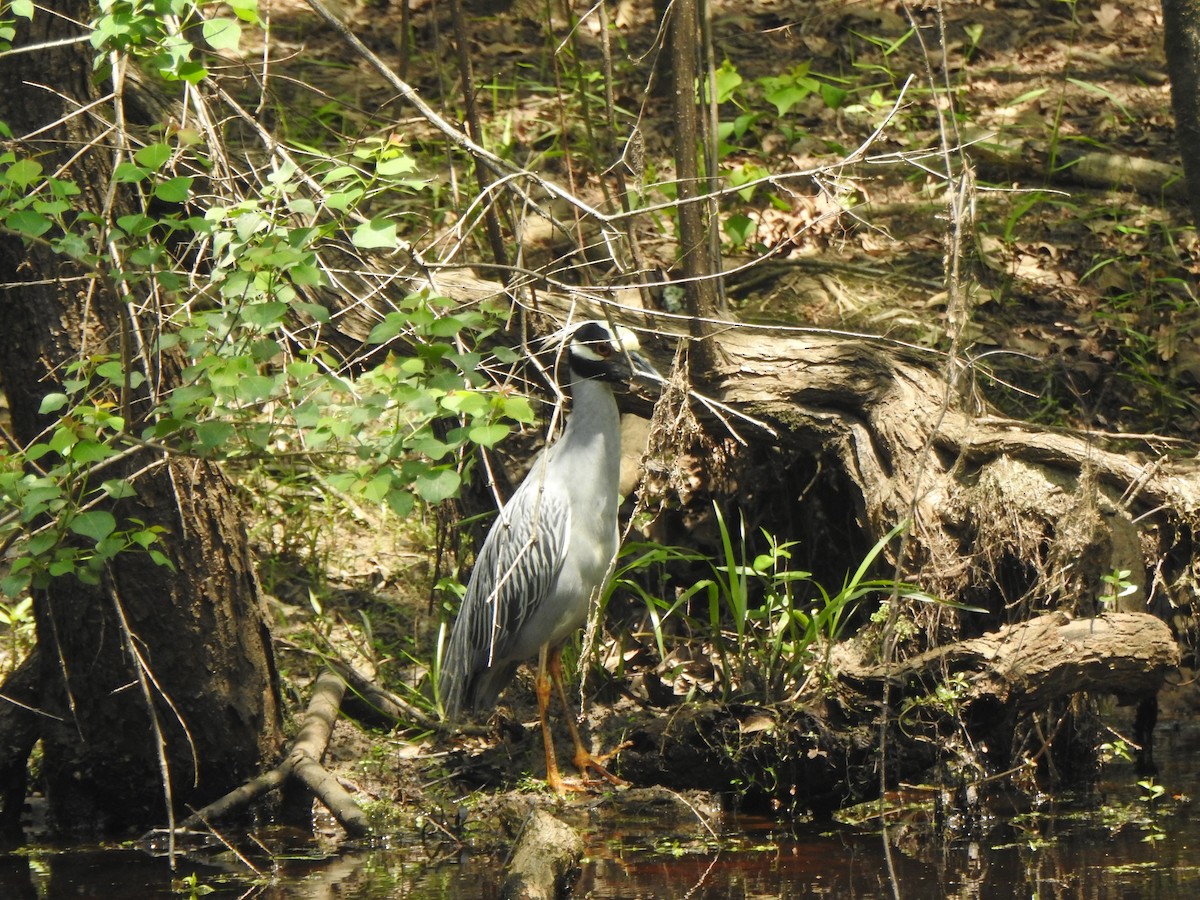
x,y
599,352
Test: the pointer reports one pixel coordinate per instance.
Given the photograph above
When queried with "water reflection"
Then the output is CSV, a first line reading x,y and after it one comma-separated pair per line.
x,y
1113,844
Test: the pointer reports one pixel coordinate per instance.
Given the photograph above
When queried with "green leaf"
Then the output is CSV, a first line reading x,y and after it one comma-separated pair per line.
x,y
214,433
378,487
118,488
246,10
27,222
153,156
740,228
174,190
727,81
488,435
519,410
129,173
834,97
400,502
437,485
254,388
24,172
88,452
22,8
15,585
265,315
376,234
400,165
222,34
52,403
468,403
96,524
114,371
306,275
62,440
162,559
42,543
393,324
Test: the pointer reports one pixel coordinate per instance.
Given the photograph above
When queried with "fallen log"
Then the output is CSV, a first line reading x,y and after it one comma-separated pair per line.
x,y
1026,666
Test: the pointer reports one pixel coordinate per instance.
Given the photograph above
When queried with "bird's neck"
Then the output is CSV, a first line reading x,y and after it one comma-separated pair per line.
x,y
593,428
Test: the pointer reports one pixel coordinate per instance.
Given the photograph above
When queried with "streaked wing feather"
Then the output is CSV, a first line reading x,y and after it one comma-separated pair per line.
x,y
511,581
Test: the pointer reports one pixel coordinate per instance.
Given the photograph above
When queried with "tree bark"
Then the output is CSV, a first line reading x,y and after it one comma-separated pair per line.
x,y
1181,28
199,630
695,255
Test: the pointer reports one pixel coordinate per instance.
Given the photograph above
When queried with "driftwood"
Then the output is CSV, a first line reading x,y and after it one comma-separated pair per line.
x,y
547,851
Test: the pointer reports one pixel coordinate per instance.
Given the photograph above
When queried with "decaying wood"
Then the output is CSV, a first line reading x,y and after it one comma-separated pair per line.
x,y
546,852
1004,515
302,763
1107,171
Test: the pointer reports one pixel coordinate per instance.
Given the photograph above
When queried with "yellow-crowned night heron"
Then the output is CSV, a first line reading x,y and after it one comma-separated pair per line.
x,y
549,549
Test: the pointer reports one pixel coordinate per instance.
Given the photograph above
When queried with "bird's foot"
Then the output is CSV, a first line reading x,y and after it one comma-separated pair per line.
x,y
585,761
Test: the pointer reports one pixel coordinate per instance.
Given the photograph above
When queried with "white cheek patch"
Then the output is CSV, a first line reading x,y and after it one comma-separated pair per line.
x,y
585,351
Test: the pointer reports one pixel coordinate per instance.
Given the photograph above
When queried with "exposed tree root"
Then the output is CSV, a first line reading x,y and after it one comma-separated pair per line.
x,y
303,763
19,731
821,751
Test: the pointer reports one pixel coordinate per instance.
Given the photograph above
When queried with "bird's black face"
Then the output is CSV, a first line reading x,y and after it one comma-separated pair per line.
x,y
597,353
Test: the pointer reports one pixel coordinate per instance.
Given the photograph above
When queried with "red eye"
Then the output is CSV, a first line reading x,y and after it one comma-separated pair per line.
x,y
604,349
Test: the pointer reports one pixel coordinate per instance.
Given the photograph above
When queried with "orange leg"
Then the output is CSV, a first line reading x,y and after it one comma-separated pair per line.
x,y
584,759
542,687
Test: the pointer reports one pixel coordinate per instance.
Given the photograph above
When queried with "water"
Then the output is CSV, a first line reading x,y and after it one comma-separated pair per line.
x,y
1111,844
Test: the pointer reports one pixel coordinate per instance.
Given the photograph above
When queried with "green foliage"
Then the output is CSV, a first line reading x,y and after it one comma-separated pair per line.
x,y
1117,585
235,276
766,622
762,112
17,618
1151,790
157,33
9,13
191,887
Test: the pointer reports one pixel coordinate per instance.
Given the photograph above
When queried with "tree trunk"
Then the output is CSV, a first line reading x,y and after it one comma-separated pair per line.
x,y
696,259
1181,27
197,633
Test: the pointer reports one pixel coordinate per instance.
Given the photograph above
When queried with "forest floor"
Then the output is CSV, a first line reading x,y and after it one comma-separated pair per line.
x,y
1080,307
